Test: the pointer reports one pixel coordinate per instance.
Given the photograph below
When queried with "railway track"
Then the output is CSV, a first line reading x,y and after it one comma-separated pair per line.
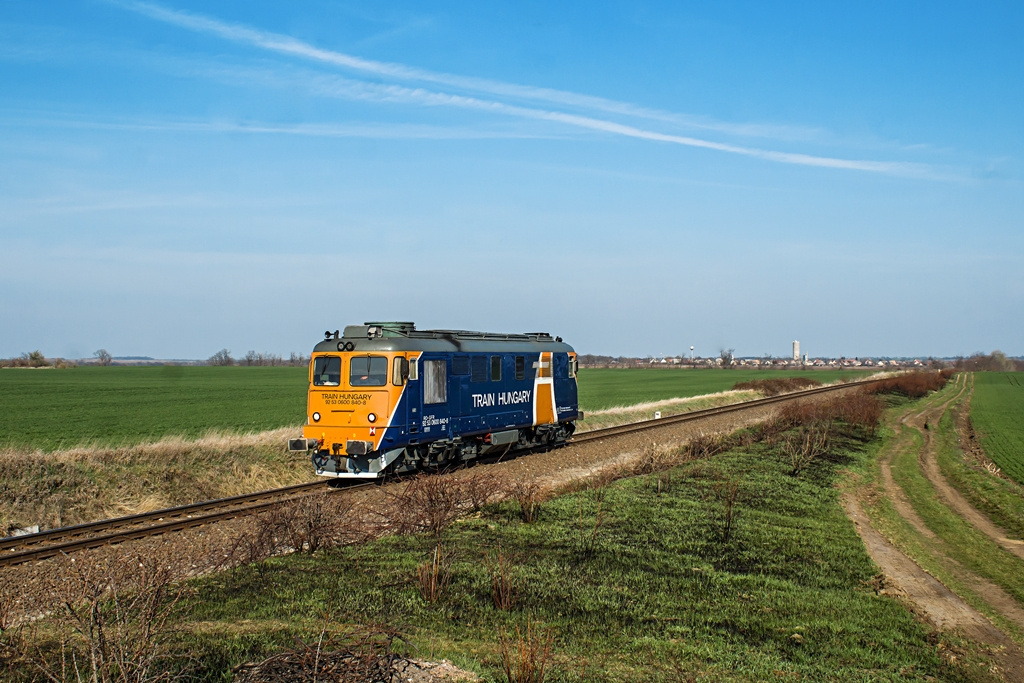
x,y
65,540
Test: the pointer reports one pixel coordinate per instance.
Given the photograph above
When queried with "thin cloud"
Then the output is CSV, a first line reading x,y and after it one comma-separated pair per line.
x,y
291,46
361,90
354,130
393,93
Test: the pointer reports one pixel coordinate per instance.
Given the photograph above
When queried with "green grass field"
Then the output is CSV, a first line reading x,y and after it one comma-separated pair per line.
x,y
997,411
51,409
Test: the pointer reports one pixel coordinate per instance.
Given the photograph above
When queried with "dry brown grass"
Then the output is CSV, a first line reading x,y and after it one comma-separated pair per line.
x,y
778,385
525,656
620,415
83,484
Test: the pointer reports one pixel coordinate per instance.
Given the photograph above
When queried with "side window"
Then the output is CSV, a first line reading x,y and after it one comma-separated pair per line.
x,y
400,372
435,382
520,367
460,365
479,367
495,368
327,371
574,367
368,371
414,369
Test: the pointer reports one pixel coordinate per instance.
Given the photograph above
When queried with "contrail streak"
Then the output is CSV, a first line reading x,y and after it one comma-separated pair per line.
x,y
288,45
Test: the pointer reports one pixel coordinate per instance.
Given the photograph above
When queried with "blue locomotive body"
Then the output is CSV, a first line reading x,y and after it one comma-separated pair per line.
x,y
387,397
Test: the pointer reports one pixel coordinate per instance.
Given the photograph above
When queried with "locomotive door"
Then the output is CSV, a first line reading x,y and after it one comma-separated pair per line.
x,y
414,399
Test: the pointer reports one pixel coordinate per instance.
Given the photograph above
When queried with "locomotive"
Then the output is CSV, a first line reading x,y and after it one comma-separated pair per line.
x,y
386,397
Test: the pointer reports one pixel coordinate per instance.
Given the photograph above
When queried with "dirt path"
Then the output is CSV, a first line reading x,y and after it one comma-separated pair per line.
x,y
936,602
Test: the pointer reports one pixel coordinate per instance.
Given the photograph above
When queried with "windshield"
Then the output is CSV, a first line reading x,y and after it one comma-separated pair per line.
x,y
368,371
327,371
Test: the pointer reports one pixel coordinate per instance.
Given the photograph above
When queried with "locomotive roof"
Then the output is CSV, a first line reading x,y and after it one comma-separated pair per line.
x,y
403,336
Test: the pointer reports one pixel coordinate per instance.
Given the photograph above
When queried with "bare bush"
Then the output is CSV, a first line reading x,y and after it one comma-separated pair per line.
x,y
705,446
859,409
117,622
525,656
308,524
911,385
427,503
482,488
652,458
586,531
526,492
727,492
434,575
806,444
503,588
779,385
362,654
324,520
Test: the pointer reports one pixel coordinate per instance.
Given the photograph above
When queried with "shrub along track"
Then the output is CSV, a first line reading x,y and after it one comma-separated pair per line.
x,y
916,429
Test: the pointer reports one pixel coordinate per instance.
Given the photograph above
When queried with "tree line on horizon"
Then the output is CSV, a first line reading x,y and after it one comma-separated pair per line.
x,y
997,361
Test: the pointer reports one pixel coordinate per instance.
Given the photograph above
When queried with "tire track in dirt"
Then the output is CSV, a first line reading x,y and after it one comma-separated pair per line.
x,y
939,605
949,496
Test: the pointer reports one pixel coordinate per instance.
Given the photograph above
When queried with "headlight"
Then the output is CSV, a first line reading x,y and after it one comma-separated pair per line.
x,y
372,417
316,417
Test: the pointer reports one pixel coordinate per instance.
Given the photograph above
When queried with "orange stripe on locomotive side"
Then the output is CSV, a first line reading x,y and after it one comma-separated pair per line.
x,y
544,392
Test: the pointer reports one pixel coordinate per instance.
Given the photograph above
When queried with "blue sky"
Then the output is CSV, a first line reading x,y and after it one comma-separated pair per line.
x,y
181,177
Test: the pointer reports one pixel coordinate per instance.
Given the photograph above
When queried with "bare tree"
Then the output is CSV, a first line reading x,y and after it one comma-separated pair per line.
x,y
102,357
222,357
726,355
35,359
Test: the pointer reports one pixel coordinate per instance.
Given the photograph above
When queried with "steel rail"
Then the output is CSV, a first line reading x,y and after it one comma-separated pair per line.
x,y
18,549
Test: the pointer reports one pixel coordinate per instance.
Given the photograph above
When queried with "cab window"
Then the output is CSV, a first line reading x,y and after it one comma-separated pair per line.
x,y
327,371
400,372
368,371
